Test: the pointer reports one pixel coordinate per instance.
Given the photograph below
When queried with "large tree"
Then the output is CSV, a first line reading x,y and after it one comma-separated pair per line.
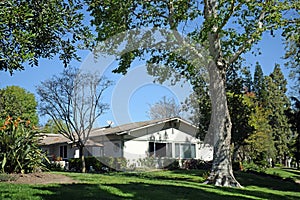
x,y
225,28
30,30
294,119
258,83
53,127
73,100
164,108
292,55
16,102
278,103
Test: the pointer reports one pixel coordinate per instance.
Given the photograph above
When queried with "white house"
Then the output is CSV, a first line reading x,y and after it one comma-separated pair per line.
x,y
164,138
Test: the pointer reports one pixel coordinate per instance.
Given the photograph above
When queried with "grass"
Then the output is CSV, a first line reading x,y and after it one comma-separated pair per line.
x,y
157,185
285,173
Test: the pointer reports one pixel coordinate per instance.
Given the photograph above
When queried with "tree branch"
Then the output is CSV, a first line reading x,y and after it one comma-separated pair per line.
x,y
229,14
250,40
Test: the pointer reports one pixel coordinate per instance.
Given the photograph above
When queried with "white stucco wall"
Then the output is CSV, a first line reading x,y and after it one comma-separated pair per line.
x,y
135,150
138,147
135,145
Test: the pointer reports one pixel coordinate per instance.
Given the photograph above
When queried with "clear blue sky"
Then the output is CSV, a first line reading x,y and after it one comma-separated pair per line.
x,y
131,95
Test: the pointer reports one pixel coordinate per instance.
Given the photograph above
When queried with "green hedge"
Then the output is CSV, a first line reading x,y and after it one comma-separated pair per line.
x,y
196,164
100,164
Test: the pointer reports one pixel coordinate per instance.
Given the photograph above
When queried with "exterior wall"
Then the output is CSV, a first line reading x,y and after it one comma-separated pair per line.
x,y
113,149
139,144
136,146
135,150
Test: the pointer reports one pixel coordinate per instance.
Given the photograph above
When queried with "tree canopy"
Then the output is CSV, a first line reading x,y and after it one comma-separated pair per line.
x,y
164,108
16,102
226,29
30,30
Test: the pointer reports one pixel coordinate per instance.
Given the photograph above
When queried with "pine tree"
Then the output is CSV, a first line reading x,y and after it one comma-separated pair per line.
x,y
278,104
258,82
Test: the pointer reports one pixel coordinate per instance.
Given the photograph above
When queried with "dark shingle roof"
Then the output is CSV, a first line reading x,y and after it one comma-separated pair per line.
x,y
122,129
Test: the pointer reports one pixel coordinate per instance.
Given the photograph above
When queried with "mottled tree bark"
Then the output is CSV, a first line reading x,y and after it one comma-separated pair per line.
x,y
220,129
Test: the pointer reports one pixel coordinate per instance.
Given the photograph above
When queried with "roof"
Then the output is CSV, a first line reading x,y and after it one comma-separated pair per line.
x,y
51,138
125,128
48,139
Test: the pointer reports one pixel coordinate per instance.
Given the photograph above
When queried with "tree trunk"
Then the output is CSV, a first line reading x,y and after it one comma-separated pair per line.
x,y
220,128
81,150
236,152
298,151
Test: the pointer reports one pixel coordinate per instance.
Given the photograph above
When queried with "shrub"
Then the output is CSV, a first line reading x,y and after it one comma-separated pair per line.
x,y
7,177
53,166
100,164
19,148
171,163
148,162
196,164
253,167
189,164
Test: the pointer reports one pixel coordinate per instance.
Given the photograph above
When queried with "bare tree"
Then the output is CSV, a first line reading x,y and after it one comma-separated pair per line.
x,y
75,98
164,108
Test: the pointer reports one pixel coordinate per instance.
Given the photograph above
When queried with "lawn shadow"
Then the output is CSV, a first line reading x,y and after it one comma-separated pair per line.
x,y
176,175
266,181
142,190
73,191
294,171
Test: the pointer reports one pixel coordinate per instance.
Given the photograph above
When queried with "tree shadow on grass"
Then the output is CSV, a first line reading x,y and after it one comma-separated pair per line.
x,y
141,190
267,181
294,171
176,175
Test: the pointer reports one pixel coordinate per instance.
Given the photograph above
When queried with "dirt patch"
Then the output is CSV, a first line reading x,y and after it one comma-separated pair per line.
x,y
42,178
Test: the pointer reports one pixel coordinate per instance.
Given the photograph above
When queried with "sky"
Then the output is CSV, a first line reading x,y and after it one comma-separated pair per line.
x,y
131,95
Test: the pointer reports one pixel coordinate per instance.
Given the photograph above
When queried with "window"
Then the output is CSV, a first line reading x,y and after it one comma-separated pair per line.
x,y
185,150
151,148
63,151
177,150
160,149
169,150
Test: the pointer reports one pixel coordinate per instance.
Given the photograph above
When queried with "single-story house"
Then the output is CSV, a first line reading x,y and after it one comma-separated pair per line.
x,y
163,138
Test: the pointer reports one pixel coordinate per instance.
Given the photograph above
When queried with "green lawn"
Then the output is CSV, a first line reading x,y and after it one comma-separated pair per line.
x,y
285,173
156,185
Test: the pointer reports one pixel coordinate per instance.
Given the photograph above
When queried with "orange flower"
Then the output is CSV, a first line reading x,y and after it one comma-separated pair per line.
x,y
6,122
27,122
16,123
8,118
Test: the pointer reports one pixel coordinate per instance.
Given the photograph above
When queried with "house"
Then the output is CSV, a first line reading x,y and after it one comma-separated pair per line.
x,y
163,138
